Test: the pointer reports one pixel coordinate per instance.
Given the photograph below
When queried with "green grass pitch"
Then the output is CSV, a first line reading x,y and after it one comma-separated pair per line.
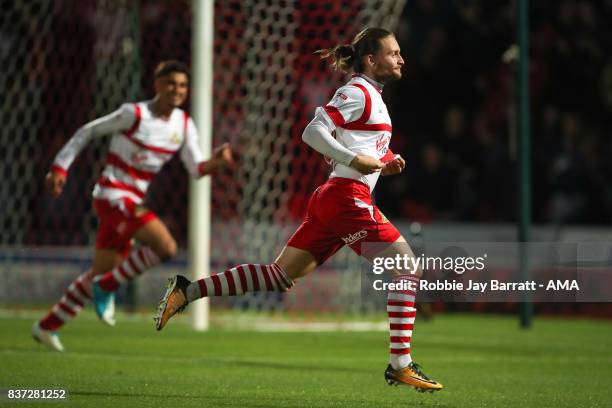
x,y
483,361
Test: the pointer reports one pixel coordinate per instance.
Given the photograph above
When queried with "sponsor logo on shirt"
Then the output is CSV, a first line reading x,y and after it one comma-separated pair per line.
x,y
352,238
339,98
382,143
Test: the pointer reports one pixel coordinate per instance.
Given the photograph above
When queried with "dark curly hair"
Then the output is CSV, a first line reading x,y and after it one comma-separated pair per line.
x,y
165,68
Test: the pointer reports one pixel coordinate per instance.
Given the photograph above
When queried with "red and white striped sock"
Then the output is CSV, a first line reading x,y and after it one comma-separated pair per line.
x,y
70,305
401,312
241,279
136,263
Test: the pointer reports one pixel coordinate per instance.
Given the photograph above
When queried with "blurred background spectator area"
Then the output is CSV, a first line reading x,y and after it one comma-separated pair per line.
x,y
67,62
454,119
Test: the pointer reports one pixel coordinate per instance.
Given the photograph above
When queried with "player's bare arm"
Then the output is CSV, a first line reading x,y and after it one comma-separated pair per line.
x,y
366,164
55,180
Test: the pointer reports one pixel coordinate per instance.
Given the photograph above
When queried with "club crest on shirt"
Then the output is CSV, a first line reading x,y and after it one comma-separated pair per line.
x,y
139,211
175,138
383,218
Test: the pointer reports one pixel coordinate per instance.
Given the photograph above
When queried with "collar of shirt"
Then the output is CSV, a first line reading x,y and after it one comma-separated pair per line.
x,y
375,84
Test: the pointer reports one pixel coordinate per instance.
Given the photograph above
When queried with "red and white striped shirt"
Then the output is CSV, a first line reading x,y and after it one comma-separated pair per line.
x,y
358,116
140,145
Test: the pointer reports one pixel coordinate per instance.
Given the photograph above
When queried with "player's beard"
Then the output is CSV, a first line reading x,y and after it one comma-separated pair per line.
x,y
394,75
390,76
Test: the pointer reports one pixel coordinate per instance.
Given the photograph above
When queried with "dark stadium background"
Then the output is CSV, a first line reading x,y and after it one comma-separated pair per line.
x,y
452,111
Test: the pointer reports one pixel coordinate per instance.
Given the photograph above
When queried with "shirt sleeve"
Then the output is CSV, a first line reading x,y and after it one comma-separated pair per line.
x,y
191,153
389,156
346,106
121,119
318,136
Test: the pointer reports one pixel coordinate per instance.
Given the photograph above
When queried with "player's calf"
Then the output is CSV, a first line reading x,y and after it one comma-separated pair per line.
x,y
235,281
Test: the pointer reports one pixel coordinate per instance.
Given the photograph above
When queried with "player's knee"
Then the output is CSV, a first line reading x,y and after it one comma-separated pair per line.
x,y
296,273
166,249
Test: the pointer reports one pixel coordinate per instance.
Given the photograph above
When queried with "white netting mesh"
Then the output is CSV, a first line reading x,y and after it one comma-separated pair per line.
x,y
69,61
282,81
65,63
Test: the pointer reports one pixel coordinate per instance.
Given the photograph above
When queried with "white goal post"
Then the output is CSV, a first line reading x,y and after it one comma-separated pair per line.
x,y
200,190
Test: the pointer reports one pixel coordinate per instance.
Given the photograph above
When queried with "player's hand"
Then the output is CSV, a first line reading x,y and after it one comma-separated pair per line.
x,y
55,183
222,155
366,164
394,166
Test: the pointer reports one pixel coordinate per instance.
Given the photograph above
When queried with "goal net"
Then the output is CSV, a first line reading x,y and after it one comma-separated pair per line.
x,y
67,62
